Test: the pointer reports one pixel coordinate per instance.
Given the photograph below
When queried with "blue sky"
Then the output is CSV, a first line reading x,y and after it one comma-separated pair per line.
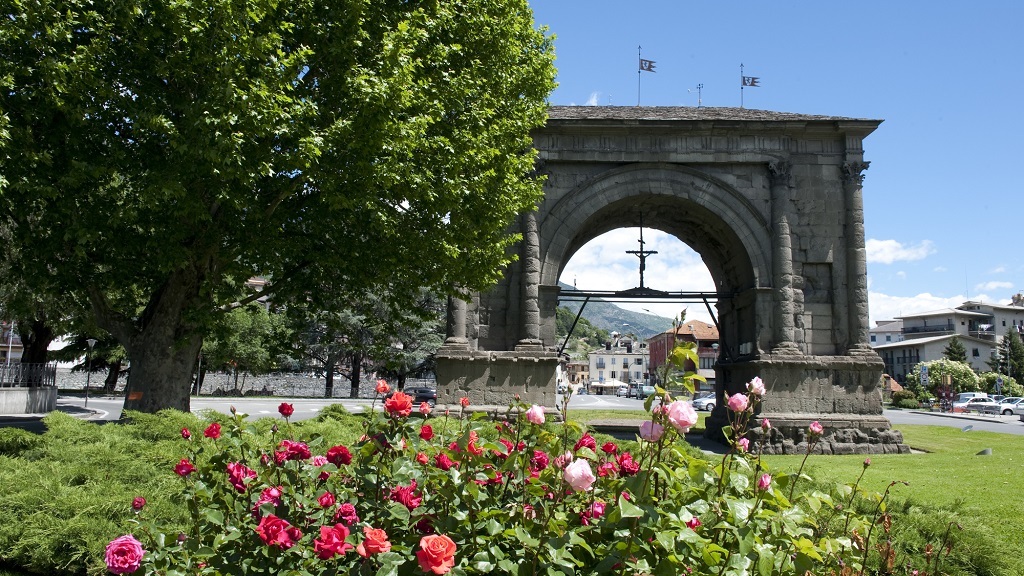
x,y
943,196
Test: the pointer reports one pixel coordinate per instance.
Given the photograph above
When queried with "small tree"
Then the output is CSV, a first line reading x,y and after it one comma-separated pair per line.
x,y
1010,385
955,351
963,377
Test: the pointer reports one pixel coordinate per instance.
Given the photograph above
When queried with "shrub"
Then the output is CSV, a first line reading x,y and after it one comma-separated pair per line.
x,y
416,494
907,403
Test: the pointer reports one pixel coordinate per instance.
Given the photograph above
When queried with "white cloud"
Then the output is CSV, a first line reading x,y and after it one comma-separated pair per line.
x,y
998,270
594,98
939,269
901,275
992,286
886,306
889,251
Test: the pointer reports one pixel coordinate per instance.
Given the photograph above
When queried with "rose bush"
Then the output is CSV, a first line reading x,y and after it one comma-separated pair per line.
x,y
468,495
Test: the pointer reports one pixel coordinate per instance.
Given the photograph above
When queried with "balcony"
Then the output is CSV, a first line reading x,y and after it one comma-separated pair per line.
x,y
937,330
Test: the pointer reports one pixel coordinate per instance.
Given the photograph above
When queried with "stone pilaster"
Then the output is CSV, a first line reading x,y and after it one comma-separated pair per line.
x,y
529,323
784,323
856,256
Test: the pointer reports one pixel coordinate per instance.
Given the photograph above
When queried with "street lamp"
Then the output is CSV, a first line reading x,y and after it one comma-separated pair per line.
x,y
88,368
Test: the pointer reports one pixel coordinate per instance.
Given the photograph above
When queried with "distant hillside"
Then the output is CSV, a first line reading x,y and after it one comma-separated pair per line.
x,y
610,317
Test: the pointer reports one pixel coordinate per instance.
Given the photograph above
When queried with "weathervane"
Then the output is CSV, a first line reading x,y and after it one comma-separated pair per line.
x,y
641,253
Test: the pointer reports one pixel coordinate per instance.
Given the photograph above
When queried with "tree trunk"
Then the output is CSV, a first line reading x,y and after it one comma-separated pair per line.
x,y
401,380
162,343
357,364
110,383
36,340
329,388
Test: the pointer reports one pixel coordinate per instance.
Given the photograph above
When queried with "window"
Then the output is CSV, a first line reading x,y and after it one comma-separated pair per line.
x,y
872,337
888,337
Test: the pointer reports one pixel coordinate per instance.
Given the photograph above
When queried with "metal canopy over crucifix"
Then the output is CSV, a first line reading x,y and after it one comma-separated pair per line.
x,y
641,253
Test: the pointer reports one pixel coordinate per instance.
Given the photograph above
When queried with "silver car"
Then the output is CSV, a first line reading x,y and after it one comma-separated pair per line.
x,y
704,401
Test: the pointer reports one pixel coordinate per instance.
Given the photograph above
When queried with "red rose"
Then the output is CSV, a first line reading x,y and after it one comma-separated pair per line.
x,y
587,441
293,450
339,456
626,464
610,448
540,459
509,447
138,503
464,401
331,542
277,532
436,553
376,542
212,431
286,410
422,458
184,468
426,432
471,445
347,514
326,500
382,387
124,555
185,433
443,462
607,469
238,473
399,404
406,496
267,496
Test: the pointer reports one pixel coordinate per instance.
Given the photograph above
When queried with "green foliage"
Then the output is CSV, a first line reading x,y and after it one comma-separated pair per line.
x,y
1011,387
905,399
955,351
963,377
157,158
249,339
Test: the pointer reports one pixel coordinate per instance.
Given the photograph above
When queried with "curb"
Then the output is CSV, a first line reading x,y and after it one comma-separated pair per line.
x,y
995,418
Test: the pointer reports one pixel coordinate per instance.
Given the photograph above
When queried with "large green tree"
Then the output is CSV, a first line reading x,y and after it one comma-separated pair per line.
x,y
157,155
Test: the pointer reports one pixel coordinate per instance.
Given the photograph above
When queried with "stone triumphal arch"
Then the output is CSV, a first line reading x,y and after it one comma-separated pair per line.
x,y
772,203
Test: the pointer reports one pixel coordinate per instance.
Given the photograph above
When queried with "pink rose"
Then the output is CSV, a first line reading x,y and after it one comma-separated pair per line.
x,y
764,482
292,450
138,503
766,424
535,415
347,514
756,386
425,408
738,402
436,553
563,460
651,431
743,444
184,468
124,555
464,402
682,416
693,523
579,475
816,428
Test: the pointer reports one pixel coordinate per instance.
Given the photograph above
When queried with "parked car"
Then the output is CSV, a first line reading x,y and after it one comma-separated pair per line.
x,y
420,394
633,391
1006,404
960,402
980,404
704,401
646,391
622,390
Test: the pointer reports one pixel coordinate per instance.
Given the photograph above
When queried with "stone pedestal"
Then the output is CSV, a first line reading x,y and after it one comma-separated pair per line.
x,y
842,393
492,379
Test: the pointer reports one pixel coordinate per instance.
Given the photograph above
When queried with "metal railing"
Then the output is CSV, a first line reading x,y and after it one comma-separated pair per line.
x,y
18,375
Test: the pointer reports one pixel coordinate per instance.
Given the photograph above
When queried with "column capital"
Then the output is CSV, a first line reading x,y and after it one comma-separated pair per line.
x,y
853,172
780,173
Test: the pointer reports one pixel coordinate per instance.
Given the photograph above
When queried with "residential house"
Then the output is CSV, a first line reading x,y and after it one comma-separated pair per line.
x,y
621,361
704,335
886,332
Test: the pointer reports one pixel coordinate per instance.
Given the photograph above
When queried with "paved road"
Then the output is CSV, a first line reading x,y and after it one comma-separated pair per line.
x,y
109,408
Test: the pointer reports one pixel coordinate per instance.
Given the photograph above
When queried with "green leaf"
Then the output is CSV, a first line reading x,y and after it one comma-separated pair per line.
x,y
482,561
627,509
526,538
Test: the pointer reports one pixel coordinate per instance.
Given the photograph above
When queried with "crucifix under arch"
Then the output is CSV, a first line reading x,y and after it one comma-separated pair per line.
x,y
641,253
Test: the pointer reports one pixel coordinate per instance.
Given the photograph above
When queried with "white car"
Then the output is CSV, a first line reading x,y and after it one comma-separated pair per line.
x,y
1006,405
980,404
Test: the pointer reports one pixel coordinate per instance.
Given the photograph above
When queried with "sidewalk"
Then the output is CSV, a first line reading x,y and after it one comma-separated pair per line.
x,y
970,416
76,411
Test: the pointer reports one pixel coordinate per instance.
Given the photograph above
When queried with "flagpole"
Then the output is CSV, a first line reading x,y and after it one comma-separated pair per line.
x,y
638,71
741,84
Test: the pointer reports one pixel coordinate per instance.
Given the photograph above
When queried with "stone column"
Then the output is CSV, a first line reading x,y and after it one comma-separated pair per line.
x,y
856,256
529,322
456,328
784,323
